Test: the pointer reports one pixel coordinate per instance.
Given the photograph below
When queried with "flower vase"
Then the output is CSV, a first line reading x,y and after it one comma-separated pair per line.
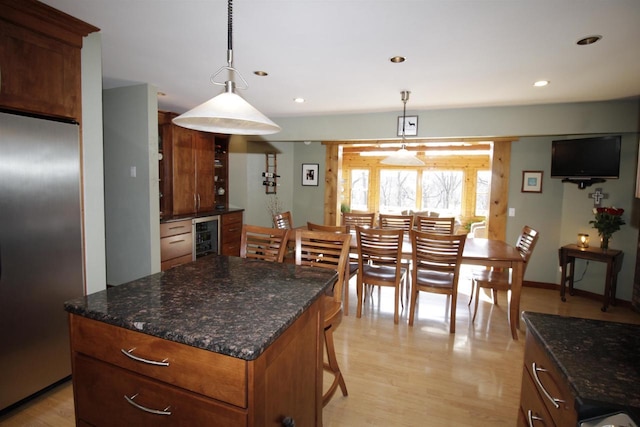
x,y
604,241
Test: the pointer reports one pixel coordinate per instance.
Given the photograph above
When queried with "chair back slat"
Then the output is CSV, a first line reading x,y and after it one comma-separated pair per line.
x,y
379,246
283,220
354,219
263,243
526,243
404,222
439,252
439,225
324,249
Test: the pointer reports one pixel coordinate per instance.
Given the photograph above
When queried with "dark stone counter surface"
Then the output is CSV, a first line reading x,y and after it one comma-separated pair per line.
x,y
227,305
600,360
199,214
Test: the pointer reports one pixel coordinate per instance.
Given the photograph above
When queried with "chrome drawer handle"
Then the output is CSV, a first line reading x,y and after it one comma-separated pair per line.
x,y
130,355
145,409
556,402
531,418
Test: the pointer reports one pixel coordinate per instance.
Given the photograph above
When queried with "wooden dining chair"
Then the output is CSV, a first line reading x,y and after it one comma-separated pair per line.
x,y
283,220
439,225
268,244
327,249
355,219
379,262
436,262
404,222
352,267
500,279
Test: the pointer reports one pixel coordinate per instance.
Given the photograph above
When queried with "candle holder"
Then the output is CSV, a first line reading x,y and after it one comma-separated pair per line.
x,y
583,240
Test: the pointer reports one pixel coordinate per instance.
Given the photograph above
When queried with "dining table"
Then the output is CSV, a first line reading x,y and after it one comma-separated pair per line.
x,y
482,252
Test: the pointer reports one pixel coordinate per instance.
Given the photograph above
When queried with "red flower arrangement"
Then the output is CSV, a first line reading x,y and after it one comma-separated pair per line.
x,y
607,221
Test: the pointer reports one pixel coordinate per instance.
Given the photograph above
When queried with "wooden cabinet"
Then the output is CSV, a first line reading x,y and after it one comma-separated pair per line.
x,y
546,399
190,162
176,243
40,59
124,377
231,233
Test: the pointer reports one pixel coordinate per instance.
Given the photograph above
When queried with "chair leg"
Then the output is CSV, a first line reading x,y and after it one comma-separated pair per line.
x,y
359,296
452,317
475,309
473,288
332,367
396,316
495,296
412,304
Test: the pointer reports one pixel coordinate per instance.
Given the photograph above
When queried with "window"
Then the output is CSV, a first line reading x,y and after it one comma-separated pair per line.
x,y
442,192
483,185
397,190
359,189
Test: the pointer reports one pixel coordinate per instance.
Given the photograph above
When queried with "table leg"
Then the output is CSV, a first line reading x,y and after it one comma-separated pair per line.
x,y
607,286
563,278
514,304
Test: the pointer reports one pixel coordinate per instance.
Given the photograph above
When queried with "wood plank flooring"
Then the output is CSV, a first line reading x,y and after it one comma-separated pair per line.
x,y
409,376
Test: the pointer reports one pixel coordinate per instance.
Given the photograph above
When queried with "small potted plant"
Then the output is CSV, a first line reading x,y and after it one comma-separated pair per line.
x,y
607,221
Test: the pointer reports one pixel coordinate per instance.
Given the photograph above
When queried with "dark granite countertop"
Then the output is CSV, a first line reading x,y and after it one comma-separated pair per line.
x,y
200,214
227,305
600,360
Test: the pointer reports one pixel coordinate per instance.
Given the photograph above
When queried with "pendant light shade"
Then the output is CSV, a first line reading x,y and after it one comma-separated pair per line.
x,y
228,112
403,157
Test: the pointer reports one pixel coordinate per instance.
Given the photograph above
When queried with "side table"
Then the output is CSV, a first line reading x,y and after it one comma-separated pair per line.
x,y
613,258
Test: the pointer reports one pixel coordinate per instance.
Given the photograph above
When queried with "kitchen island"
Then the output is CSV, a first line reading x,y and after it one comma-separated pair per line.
x,y
579,368
220,341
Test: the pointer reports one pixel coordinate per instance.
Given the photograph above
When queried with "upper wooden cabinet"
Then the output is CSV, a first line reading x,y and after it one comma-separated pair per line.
x,y
188,169
40,59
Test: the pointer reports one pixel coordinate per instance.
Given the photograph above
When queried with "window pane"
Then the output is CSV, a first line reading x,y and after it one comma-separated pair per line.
x,y
442,192
483,186
359,189
397,190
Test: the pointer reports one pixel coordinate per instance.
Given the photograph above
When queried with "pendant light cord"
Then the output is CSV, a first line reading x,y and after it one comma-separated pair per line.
x,y
230,25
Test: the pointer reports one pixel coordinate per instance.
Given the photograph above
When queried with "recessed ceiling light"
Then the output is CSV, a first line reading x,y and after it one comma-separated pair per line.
x,y
588,40
397,59
261,73
298,100
541,83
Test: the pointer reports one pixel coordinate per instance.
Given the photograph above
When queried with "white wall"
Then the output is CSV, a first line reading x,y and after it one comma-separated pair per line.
x,y
92,166
132,202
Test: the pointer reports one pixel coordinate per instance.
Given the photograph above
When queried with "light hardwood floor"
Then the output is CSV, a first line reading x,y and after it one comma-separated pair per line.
x,y
409,376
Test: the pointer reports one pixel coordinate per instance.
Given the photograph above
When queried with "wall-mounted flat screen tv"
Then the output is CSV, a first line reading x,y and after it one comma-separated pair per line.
x,y
583,158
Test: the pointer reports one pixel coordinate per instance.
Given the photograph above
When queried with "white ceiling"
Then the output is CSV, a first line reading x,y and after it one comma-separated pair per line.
x,y
335,53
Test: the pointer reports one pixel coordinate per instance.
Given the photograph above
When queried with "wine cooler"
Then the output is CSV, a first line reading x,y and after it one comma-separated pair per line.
x,y
206,236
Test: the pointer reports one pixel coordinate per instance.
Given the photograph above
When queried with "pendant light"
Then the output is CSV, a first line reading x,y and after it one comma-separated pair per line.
x,y
228,112
403,157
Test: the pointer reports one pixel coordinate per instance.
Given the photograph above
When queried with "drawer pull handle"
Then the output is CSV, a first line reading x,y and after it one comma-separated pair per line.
x,y
177,227
130,355
165,411
556,402
531,418
176,241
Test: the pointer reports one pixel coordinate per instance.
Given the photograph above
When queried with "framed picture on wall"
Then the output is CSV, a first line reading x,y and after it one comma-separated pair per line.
x,y
310,174
532,181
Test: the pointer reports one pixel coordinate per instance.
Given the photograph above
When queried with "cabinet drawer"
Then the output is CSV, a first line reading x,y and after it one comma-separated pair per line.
x,y
211,374
533,410
176,246
552,381
174,262
175,227
100,396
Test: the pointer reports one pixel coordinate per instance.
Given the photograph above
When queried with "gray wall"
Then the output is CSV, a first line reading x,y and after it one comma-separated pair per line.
x,y
131,203
92,167
560,212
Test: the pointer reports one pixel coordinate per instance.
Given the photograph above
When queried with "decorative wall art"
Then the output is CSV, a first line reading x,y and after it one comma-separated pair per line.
x,y
532,181
310,174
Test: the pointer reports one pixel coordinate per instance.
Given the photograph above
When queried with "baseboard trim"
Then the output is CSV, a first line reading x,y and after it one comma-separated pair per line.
x,y
576,292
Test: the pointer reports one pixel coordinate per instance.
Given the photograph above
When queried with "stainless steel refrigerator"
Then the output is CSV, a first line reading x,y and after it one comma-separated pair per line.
x,y
41,259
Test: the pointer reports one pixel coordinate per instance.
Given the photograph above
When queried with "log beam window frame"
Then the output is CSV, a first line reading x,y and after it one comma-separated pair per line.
x,y
499,165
